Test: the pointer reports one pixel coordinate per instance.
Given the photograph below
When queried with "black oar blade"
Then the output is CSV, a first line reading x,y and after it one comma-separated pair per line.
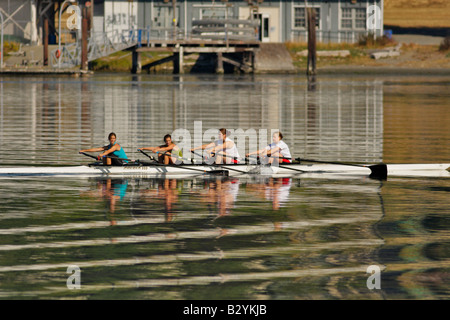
x,y
379,171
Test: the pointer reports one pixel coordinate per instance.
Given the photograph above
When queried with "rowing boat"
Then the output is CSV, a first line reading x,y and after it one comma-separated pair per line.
x,y
376,171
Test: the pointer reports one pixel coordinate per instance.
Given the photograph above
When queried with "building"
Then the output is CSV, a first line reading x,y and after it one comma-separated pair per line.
x,y
280,20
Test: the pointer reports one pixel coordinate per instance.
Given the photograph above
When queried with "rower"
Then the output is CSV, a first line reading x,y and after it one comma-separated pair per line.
x,y
277,151
223,149
113,154
168,153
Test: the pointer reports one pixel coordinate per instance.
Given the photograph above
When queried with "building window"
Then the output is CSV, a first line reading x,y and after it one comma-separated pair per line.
x,y
353,18
347,18
360,18
300,18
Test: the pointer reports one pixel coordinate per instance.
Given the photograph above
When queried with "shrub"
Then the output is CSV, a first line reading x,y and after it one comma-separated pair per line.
x,y
369,41
445,44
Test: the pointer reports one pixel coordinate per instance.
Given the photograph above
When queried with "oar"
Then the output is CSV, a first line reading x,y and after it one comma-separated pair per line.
x,y
221,166
147,155
226,156
175,156
287,167
258,157
293,169
228,164
193,169
177,166
88,155
96,158
201,156
222,172
378,171
166,153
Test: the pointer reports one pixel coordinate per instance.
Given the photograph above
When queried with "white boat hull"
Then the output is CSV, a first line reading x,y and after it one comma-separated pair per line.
x,y
432,170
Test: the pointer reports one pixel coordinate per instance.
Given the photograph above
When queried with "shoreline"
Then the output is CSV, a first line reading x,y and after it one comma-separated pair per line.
x,y
379,70
326,70
413,60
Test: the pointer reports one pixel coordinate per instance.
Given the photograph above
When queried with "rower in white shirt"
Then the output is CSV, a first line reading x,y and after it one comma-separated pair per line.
x,y
223,149
276,151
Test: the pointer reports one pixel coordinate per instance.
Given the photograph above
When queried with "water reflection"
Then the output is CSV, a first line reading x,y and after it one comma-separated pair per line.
x,y
275,190
162,190
258,238
109,190
220,193
262,237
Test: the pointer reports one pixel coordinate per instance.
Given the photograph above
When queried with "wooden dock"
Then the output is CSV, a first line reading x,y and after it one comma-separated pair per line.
x,y
227,41
240,54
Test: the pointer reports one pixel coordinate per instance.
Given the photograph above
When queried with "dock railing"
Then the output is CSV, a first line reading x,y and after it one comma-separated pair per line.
x,y
102,44
225,29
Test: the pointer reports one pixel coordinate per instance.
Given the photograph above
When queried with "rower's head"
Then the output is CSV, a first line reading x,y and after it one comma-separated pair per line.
x,y
222,134
112,137
277,136
168,139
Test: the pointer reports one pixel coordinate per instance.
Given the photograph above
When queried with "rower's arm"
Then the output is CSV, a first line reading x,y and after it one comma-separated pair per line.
x,y
205,146
93,150
165,149
110,150
256,152
223,147
274,150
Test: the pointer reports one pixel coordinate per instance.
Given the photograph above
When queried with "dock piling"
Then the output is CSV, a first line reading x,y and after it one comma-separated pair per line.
x,y
312,55
136,62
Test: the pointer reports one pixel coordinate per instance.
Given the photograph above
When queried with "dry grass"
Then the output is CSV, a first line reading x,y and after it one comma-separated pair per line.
x,y
417,13
412,56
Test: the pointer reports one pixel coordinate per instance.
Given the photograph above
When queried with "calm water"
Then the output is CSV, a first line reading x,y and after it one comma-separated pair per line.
x,y
225,238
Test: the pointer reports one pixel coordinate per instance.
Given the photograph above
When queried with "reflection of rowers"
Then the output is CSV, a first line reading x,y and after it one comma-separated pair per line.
x,y
223,193
166,191
112,190
168,153
276,151
275,190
